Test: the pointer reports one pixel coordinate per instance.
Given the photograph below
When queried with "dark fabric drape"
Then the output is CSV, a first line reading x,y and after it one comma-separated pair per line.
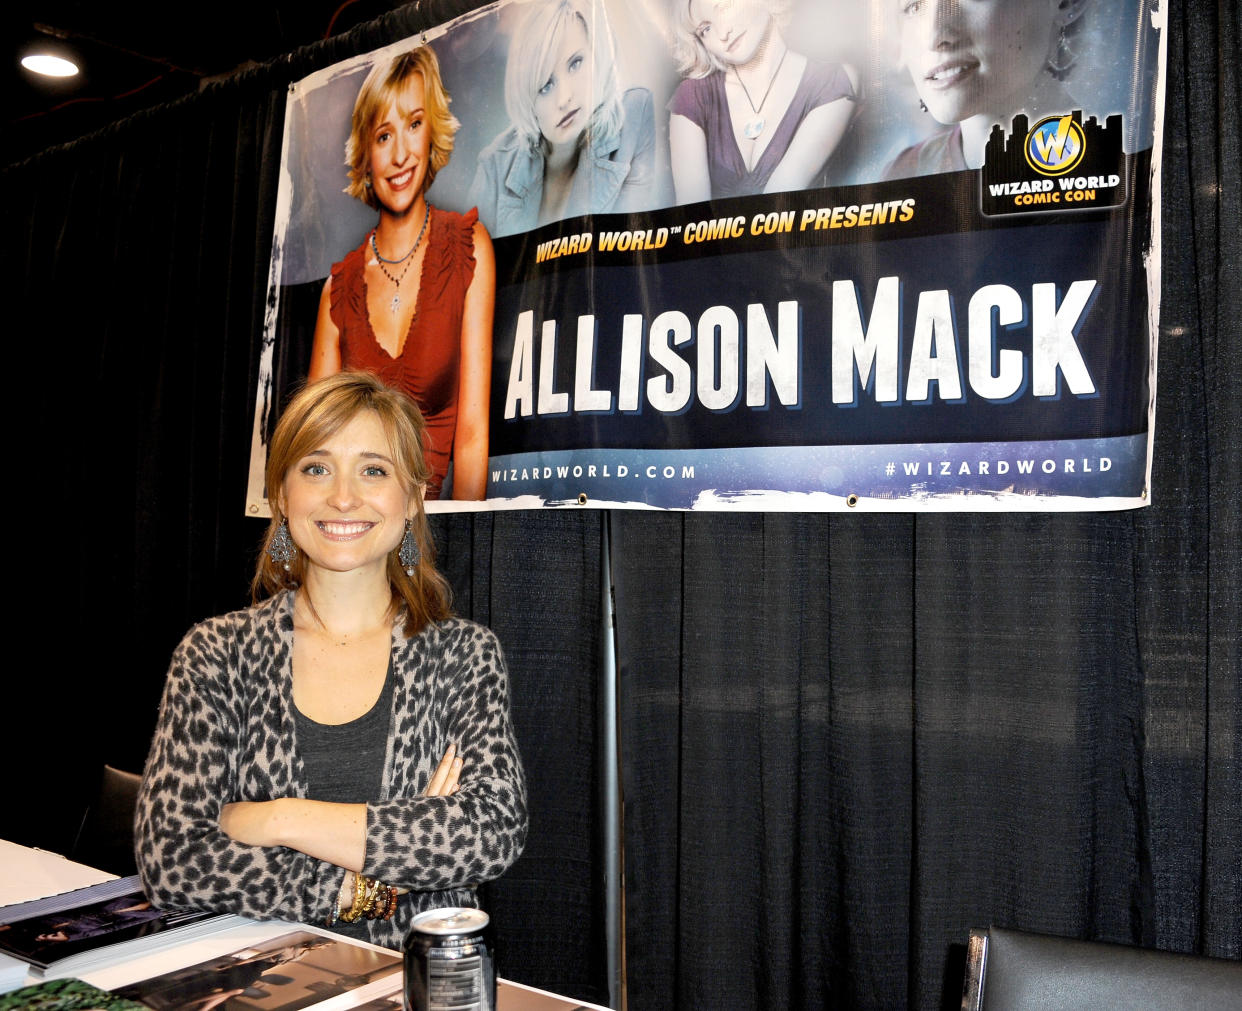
x,y
137,260
767,803
846,740
534,579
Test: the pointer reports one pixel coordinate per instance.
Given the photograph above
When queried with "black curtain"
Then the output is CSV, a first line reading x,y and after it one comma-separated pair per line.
x,y
137,261
846,740
534,580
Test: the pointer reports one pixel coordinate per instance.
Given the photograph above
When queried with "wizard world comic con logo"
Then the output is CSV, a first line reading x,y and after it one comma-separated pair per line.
x,y
1059,164
1055,146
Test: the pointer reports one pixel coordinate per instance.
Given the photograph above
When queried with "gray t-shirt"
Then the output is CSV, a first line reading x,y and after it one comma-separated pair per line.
x,y
344,762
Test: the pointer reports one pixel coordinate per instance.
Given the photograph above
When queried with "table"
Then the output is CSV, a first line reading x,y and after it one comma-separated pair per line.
x,y
33,874
27,874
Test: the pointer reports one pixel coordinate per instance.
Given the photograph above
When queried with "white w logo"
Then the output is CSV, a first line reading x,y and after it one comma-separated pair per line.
x,y
1052,148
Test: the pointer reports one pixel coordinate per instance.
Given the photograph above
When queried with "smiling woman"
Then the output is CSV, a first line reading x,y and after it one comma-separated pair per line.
x,y
977,63
414,302
341,752
344,502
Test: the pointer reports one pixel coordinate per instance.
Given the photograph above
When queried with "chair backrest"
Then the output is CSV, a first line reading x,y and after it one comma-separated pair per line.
x,y
106,836
1008,969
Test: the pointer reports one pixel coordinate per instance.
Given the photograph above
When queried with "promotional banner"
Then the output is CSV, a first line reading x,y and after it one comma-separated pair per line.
x,y
739,254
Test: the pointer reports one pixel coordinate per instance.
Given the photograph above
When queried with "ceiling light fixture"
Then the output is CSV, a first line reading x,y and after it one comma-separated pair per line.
x,y
49,66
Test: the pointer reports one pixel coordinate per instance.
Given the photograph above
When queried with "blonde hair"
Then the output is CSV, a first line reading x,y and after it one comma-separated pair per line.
x,y
314,415
689,53
381,85
532,51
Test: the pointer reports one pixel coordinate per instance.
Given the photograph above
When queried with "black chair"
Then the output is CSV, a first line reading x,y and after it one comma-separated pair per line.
x,y
106,836
1009,969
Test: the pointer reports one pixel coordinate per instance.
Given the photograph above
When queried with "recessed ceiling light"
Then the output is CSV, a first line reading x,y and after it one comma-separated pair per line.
x,y
49,66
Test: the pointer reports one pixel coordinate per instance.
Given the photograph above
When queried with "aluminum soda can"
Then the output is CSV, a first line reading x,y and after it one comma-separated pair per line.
x,y
450,963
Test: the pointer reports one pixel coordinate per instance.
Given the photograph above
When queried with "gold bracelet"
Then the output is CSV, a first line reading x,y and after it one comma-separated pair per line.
x,y
372,899
368,907
368,897
359,903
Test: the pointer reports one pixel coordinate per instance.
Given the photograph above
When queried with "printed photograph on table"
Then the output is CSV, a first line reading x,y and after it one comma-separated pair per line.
x,y
739,254
292,971
48,938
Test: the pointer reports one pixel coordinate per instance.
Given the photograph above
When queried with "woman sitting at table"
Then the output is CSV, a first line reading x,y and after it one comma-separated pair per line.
x,y
341,752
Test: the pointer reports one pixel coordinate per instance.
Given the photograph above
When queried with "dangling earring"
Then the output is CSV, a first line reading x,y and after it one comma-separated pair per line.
x,y
366,181
1063,57
282,549
409,553
922,106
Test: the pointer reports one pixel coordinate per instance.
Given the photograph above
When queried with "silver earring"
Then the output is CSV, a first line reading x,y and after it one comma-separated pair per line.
x,y
922,106
366,181
282,549
1063,57
409,553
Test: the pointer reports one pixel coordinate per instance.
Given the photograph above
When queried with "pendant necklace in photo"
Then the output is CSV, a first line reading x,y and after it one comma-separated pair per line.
x,y
752,128
395,304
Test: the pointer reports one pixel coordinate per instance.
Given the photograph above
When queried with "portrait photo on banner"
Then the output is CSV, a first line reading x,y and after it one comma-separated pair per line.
x,y
737,254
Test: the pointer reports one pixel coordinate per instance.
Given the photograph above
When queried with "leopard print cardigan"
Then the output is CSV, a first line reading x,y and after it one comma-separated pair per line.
x,y
226,732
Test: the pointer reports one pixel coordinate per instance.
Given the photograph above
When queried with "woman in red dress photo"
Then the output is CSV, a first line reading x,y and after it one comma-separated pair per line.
x,y
414,302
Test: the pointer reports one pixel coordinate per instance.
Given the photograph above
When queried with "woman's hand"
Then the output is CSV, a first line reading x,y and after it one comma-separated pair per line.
x,y
443,784
444,779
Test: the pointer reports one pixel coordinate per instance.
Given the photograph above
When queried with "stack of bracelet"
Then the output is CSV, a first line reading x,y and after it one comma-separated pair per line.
x,y
373,900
